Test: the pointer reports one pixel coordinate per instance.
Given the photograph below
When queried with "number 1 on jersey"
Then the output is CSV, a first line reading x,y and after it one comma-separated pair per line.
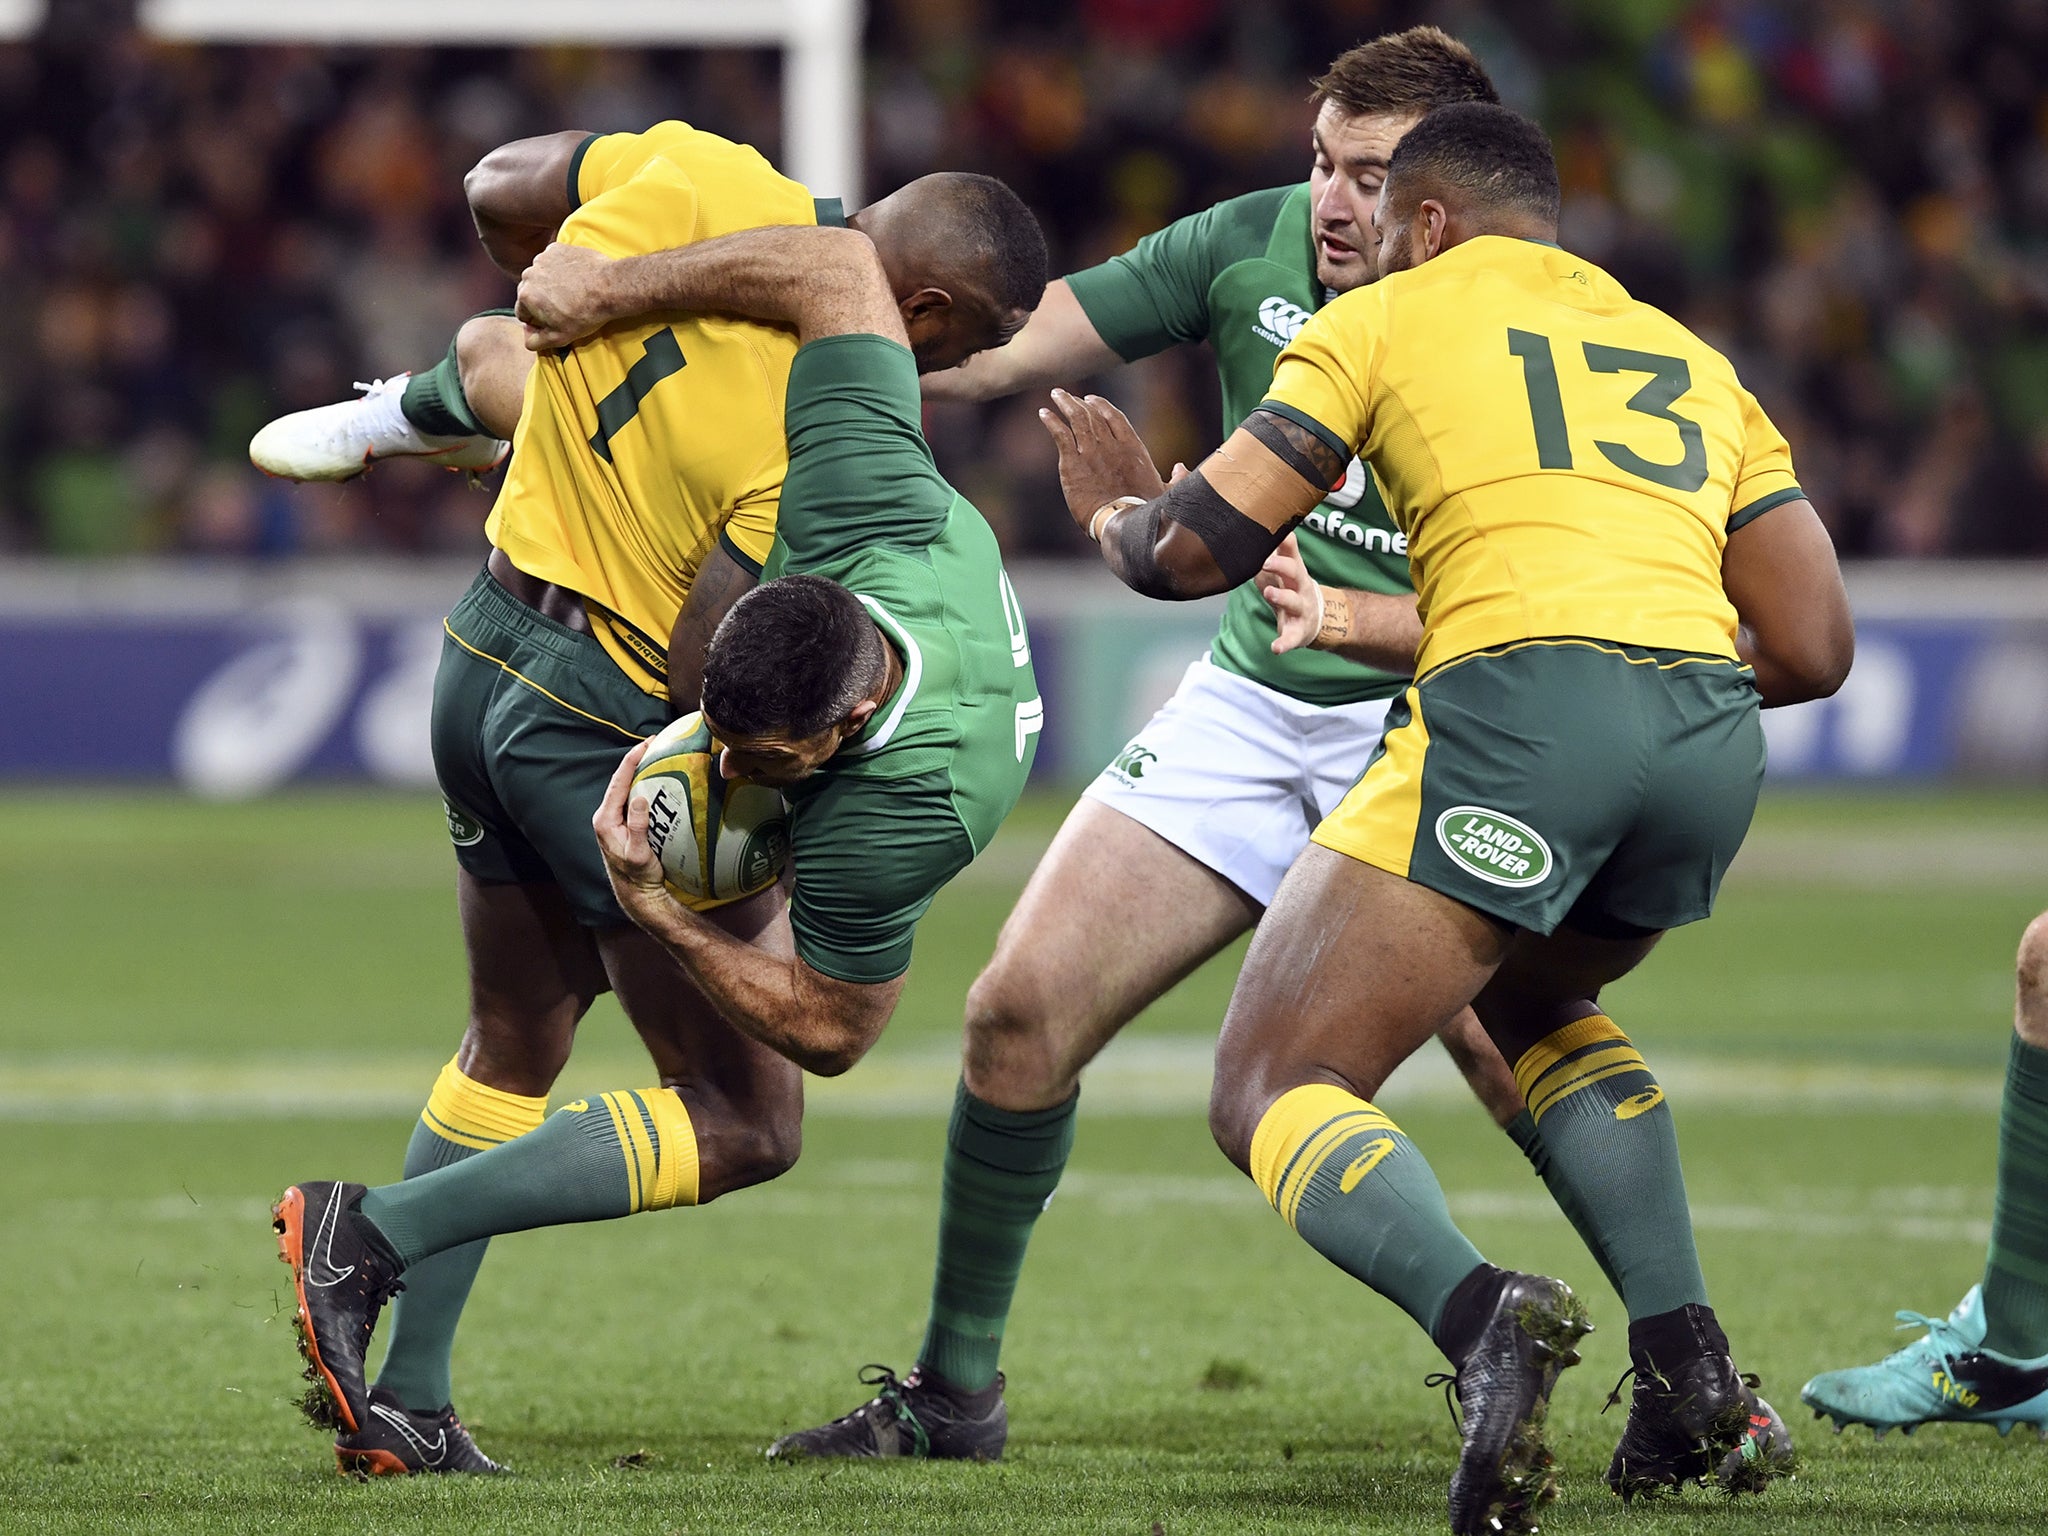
x,y
661,357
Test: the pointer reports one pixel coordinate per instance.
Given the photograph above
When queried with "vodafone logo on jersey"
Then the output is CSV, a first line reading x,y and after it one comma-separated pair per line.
x,y
1280,320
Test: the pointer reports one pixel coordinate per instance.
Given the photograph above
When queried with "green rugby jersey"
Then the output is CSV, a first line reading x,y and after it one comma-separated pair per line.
x,y
905,805
1242,276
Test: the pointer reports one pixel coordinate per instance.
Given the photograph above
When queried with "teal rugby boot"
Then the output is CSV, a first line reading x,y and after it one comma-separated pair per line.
x,y
1944,1377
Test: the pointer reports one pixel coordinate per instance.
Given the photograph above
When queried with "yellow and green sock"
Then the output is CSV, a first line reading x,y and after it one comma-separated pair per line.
x,y
591,1160
1363,1196
1611,1160
463,1117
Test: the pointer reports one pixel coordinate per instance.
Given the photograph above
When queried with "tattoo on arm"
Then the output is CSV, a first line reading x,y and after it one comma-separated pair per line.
x,y
1298,448
1230,551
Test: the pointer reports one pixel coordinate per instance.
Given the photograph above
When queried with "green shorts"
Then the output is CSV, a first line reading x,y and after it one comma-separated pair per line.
x,y
1564,781
530,721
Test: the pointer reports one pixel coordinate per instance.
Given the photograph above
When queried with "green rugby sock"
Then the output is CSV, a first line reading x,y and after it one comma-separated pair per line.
x,y
434,402
1612,1161
1363,1196
463,1117
2016,1271
1523,1133
591,1160
1001,1169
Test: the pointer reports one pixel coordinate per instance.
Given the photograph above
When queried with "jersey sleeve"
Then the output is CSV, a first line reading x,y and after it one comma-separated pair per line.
x,y
1324,379
860,472
1157,293
652,210
870,855
607,160
1765,479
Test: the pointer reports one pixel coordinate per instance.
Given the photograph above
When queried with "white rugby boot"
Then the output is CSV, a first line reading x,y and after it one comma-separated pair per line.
x,y
339,442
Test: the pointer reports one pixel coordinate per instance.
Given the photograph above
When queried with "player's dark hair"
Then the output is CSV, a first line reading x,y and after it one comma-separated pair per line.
x,y
1414,71
989,232
790,658
1498,159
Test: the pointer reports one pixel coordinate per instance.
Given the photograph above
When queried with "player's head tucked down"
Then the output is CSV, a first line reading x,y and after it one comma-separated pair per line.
x,y
793,670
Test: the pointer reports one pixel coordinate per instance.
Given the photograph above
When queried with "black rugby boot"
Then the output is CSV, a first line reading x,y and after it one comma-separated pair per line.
x,y
915,1416
1503,1385
397,1442
342,1274
1693,1418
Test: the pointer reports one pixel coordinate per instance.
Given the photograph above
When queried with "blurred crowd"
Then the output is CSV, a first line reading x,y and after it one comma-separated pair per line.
x,y
1848,196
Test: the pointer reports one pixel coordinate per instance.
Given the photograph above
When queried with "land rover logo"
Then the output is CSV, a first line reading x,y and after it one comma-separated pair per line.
x,y
464,830
1498,849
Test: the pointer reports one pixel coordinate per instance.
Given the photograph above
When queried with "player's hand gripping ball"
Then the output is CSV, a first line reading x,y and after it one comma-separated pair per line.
x,y
718,840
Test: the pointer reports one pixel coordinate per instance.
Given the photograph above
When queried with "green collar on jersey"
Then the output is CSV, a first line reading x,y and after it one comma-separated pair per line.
x,y
829,211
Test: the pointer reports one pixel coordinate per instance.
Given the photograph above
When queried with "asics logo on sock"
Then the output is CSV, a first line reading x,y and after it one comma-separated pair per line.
x,y
430,1452
1640,1104
1375,1153
321,1270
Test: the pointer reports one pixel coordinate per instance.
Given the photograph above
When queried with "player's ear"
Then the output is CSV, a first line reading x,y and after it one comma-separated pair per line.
x,y
932,305
1435,220
859,716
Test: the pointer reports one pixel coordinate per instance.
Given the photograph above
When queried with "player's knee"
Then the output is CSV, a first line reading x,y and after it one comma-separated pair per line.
x,y
767,1149
2032,1020
1012,1044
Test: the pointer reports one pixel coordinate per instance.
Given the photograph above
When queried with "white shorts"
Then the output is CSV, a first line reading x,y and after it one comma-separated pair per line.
x,y
1236,775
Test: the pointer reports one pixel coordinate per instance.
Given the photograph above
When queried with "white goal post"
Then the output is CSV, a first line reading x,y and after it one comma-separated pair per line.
x,y
820,40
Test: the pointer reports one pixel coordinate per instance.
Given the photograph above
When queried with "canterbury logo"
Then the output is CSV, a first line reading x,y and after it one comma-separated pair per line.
x,y
1641,1104
430,1452
320,1257
1375,1153
1280,320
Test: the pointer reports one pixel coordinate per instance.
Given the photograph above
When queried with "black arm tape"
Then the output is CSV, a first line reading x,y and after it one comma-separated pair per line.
x,y
1301,450
1238,545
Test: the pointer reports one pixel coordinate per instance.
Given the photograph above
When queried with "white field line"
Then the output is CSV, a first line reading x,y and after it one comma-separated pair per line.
x,y
1146,1075
1905,1213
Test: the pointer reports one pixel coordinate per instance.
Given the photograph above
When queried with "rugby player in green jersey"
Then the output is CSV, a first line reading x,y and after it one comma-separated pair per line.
x,y
881,676
1179,845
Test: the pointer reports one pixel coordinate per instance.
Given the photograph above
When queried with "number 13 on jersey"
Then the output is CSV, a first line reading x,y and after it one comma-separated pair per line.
x,y
1670,378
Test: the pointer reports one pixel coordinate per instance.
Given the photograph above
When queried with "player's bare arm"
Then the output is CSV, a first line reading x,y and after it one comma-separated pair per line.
x,y
1205,533
721,582
519,194
825,282
1381,629
822,1024
1780,572
1058,345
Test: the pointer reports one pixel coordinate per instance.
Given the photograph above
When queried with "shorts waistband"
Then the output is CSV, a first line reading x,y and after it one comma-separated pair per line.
x,y
489,601
1635,655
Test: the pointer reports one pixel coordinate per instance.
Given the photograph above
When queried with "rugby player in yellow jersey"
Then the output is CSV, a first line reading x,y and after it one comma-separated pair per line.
x,y
1615,568
642,498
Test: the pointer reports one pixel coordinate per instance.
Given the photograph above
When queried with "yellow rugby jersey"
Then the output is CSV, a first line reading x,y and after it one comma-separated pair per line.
x,y
641,447
1563,459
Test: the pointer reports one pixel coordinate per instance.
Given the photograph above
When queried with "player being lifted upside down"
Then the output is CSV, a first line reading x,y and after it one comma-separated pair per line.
x,y
641,503
1615,568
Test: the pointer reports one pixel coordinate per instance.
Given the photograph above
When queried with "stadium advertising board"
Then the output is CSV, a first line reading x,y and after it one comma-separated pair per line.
x,y
236,682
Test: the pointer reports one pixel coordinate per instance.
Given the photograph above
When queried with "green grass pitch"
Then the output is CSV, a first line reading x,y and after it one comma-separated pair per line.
x,y
199,1004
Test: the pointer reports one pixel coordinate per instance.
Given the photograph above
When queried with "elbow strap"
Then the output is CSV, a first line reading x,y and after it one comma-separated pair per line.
x,y
1236,543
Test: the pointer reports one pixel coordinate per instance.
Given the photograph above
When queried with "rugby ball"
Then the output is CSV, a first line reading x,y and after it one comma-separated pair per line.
x,y
718,840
